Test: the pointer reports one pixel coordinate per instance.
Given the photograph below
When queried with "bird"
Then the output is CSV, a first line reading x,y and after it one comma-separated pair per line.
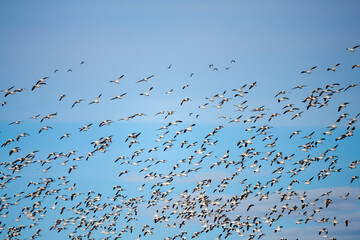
x,y
14,150
169,92
117,81
145,79
16,122
354,178
309,71
184,100
96,100
353,48
45,128
185,86
65,136
146,93
347,223
105,122
8,91
35,117
61,97
299,86
119,96
38,85
346,196
76,102
22,135
333,68
342,106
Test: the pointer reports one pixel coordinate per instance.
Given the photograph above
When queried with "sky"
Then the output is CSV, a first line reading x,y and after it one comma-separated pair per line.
x,y
271,43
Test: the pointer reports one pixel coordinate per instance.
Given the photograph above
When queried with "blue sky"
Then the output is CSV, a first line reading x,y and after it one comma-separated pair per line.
x,y
271,42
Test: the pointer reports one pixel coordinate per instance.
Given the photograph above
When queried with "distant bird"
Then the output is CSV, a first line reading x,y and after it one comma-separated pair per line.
x,y
252,85
309,71
14,150
22,135
185,86
82,62
281,92
184,100
85,128
299,87
356,65
43,79
72,168
16,122
117,81
65,136
353,48
8,91
35,117
342,106
249,206
61,97
76,102
118,97
346,196
45,128
105,122
333,68
38,85
96,100
145,79
354,178
203,106
347,223
278,229
146,93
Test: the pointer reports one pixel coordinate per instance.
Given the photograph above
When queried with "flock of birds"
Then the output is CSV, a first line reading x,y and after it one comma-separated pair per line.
x,y
208,205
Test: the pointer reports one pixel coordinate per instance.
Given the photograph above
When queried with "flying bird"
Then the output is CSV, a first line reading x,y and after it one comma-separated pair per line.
x,y
333,68
353,48
146,93
117,81
309,71
96,100
119,96
61,97
76,102
145,79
